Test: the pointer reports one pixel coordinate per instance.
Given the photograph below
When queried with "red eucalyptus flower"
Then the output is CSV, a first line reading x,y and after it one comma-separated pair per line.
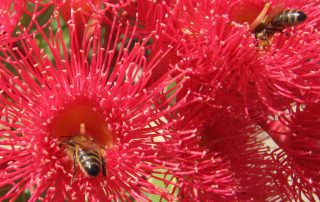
x,y
298,156
173,91
291,64
45,101
241,143
214,39
231,70
201,175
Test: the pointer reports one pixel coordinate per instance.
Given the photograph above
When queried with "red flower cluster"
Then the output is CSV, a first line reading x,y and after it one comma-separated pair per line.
x,y
167,100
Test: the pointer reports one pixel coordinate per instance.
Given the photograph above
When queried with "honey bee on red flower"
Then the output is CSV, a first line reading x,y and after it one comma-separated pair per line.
x,y
100,84
86,153
275,22
139,100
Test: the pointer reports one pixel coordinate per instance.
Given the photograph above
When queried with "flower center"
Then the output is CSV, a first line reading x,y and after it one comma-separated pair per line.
x,y
68,121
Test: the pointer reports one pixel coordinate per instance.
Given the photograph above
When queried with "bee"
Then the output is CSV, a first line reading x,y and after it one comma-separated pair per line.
x,y
86,153
277,21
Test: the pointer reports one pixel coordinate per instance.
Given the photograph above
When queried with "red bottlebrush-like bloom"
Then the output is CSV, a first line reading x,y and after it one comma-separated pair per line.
x,y
214,39
101,98
298,156
217,51
201,175
240,142
216,42
291,63
71,90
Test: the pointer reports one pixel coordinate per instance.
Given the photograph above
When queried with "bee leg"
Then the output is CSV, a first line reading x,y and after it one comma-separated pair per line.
x,y
286,33
104,172
267,40
74,166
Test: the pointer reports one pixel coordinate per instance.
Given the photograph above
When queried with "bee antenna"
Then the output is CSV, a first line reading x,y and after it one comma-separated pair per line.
x,y
62,139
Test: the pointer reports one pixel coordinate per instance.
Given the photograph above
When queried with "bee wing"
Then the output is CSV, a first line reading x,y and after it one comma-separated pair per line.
x,y
274,12
104,170
264,18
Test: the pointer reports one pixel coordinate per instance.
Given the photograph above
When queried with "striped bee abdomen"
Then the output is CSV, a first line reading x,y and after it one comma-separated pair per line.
x,y
288,18
89,161
275,22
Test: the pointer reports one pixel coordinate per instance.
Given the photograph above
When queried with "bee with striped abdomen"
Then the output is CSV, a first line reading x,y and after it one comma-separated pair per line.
x,y
86,153
276,22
